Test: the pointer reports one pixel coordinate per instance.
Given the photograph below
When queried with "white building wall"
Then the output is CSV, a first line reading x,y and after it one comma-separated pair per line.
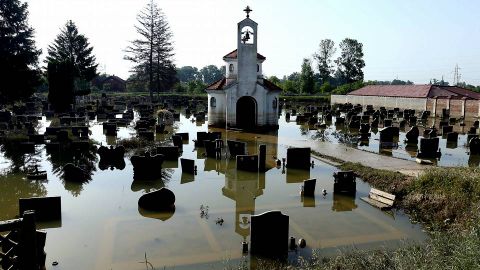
x,y
216,115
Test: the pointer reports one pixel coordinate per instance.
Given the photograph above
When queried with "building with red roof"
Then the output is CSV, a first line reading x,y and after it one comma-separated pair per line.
x,y
459,101
243,99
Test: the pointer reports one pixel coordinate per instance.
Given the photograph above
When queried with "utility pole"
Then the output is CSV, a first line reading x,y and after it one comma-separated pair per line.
x,y
457,75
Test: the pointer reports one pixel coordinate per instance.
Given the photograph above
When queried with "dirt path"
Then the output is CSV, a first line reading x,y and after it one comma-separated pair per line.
x,y
372,160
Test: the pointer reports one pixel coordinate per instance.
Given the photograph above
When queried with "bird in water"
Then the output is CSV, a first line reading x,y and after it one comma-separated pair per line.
x,y
324,192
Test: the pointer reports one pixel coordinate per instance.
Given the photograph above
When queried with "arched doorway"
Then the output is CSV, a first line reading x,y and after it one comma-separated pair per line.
x,y
246,113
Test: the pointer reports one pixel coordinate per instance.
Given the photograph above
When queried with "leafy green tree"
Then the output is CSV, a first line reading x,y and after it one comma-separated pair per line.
x,y
350,62
187,73
326,88
349,87
324,59
210,74
73,47
18,54
275,80
307,82
152,53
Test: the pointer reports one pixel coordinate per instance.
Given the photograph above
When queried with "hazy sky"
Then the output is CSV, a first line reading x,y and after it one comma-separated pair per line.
x,y
410,39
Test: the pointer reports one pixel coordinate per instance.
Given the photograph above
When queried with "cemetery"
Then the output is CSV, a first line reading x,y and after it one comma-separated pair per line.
x,y
239,176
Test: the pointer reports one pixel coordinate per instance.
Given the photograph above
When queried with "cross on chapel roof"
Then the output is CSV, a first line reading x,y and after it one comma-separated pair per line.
x,y
248,10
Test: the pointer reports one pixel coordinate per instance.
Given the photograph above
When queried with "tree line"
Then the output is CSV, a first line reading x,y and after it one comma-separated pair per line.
x,y
70,64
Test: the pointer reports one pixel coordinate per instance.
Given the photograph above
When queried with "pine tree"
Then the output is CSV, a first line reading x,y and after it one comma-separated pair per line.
x,y
73,47
152,52
307,82
18,54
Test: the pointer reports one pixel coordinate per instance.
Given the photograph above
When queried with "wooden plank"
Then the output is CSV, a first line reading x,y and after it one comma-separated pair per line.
x,y
383,194
381,199
377,204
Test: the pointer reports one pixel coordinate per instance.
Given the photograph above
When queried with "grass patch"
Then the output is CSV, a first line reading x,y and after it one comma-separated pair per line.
x,y
445,198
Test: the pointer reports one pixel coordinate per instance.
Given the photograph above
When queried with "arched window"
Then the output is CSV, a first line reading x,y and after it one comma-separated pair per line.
x,y
230,68
213,102
274,103
248,36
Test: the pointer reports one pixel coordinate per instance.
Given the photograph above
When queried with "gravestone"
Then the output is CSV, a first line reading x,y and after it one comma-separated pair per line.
x,y
210,148
474,145
188,165
309,187
160,200
298,158
345,182
169,152
46,208
412,135
447,129
429,148
247,163
269,235
452,137
387,134
177,141
184,136
236,148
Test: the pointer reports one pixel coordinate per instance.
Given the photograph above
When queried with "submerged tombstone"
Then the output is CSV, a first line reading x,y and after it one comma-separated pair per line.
x,y
429,148
188,165
236,148
474,145
178,142
412,135
309,187
147,167
388,134
298,158
211,148
46,208
160,200
184,136
111,157
269,235
345,182
452,137
447,129
168,152
247,163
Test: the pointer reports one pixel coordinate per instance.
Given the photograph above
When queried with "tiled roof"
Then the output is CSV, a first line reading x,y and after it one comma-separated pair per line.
x,y
234,55
218,85
415,91
221,84
271,86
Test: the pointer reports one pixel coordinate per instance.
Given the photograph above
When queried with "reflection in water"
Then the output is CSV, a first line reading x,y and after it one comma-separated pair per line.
x,y
14,187
152,185
122,233
85,159
161,215
308,201
342,203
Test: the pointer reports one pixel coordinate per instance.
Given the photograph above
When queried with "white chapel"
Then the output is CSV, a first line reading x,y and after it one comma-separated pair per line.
x,y
244,99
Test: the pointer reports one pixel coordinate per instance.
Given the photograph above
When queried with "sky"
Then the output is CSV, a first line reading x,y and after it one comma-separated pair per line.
x,y
409,40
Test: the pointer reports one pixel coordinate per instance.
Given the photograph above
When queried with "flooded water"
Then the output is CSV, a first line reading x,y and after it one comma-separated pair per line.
x,y
102,226
453,154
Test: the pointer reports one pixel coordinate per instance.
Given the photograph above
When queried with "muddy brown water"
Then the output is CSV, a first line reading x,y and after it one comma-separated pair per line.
x,y
103,228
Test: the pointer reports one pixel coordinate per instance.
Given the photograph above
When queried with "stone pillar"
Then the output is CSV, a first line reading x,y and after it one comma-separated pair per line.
x,y
262,157
464,101
28,242
435,107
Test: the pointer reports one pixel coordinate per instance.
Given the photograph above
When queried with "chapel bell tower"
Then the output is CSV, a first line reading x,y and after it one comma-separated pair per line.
x,y
247,39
